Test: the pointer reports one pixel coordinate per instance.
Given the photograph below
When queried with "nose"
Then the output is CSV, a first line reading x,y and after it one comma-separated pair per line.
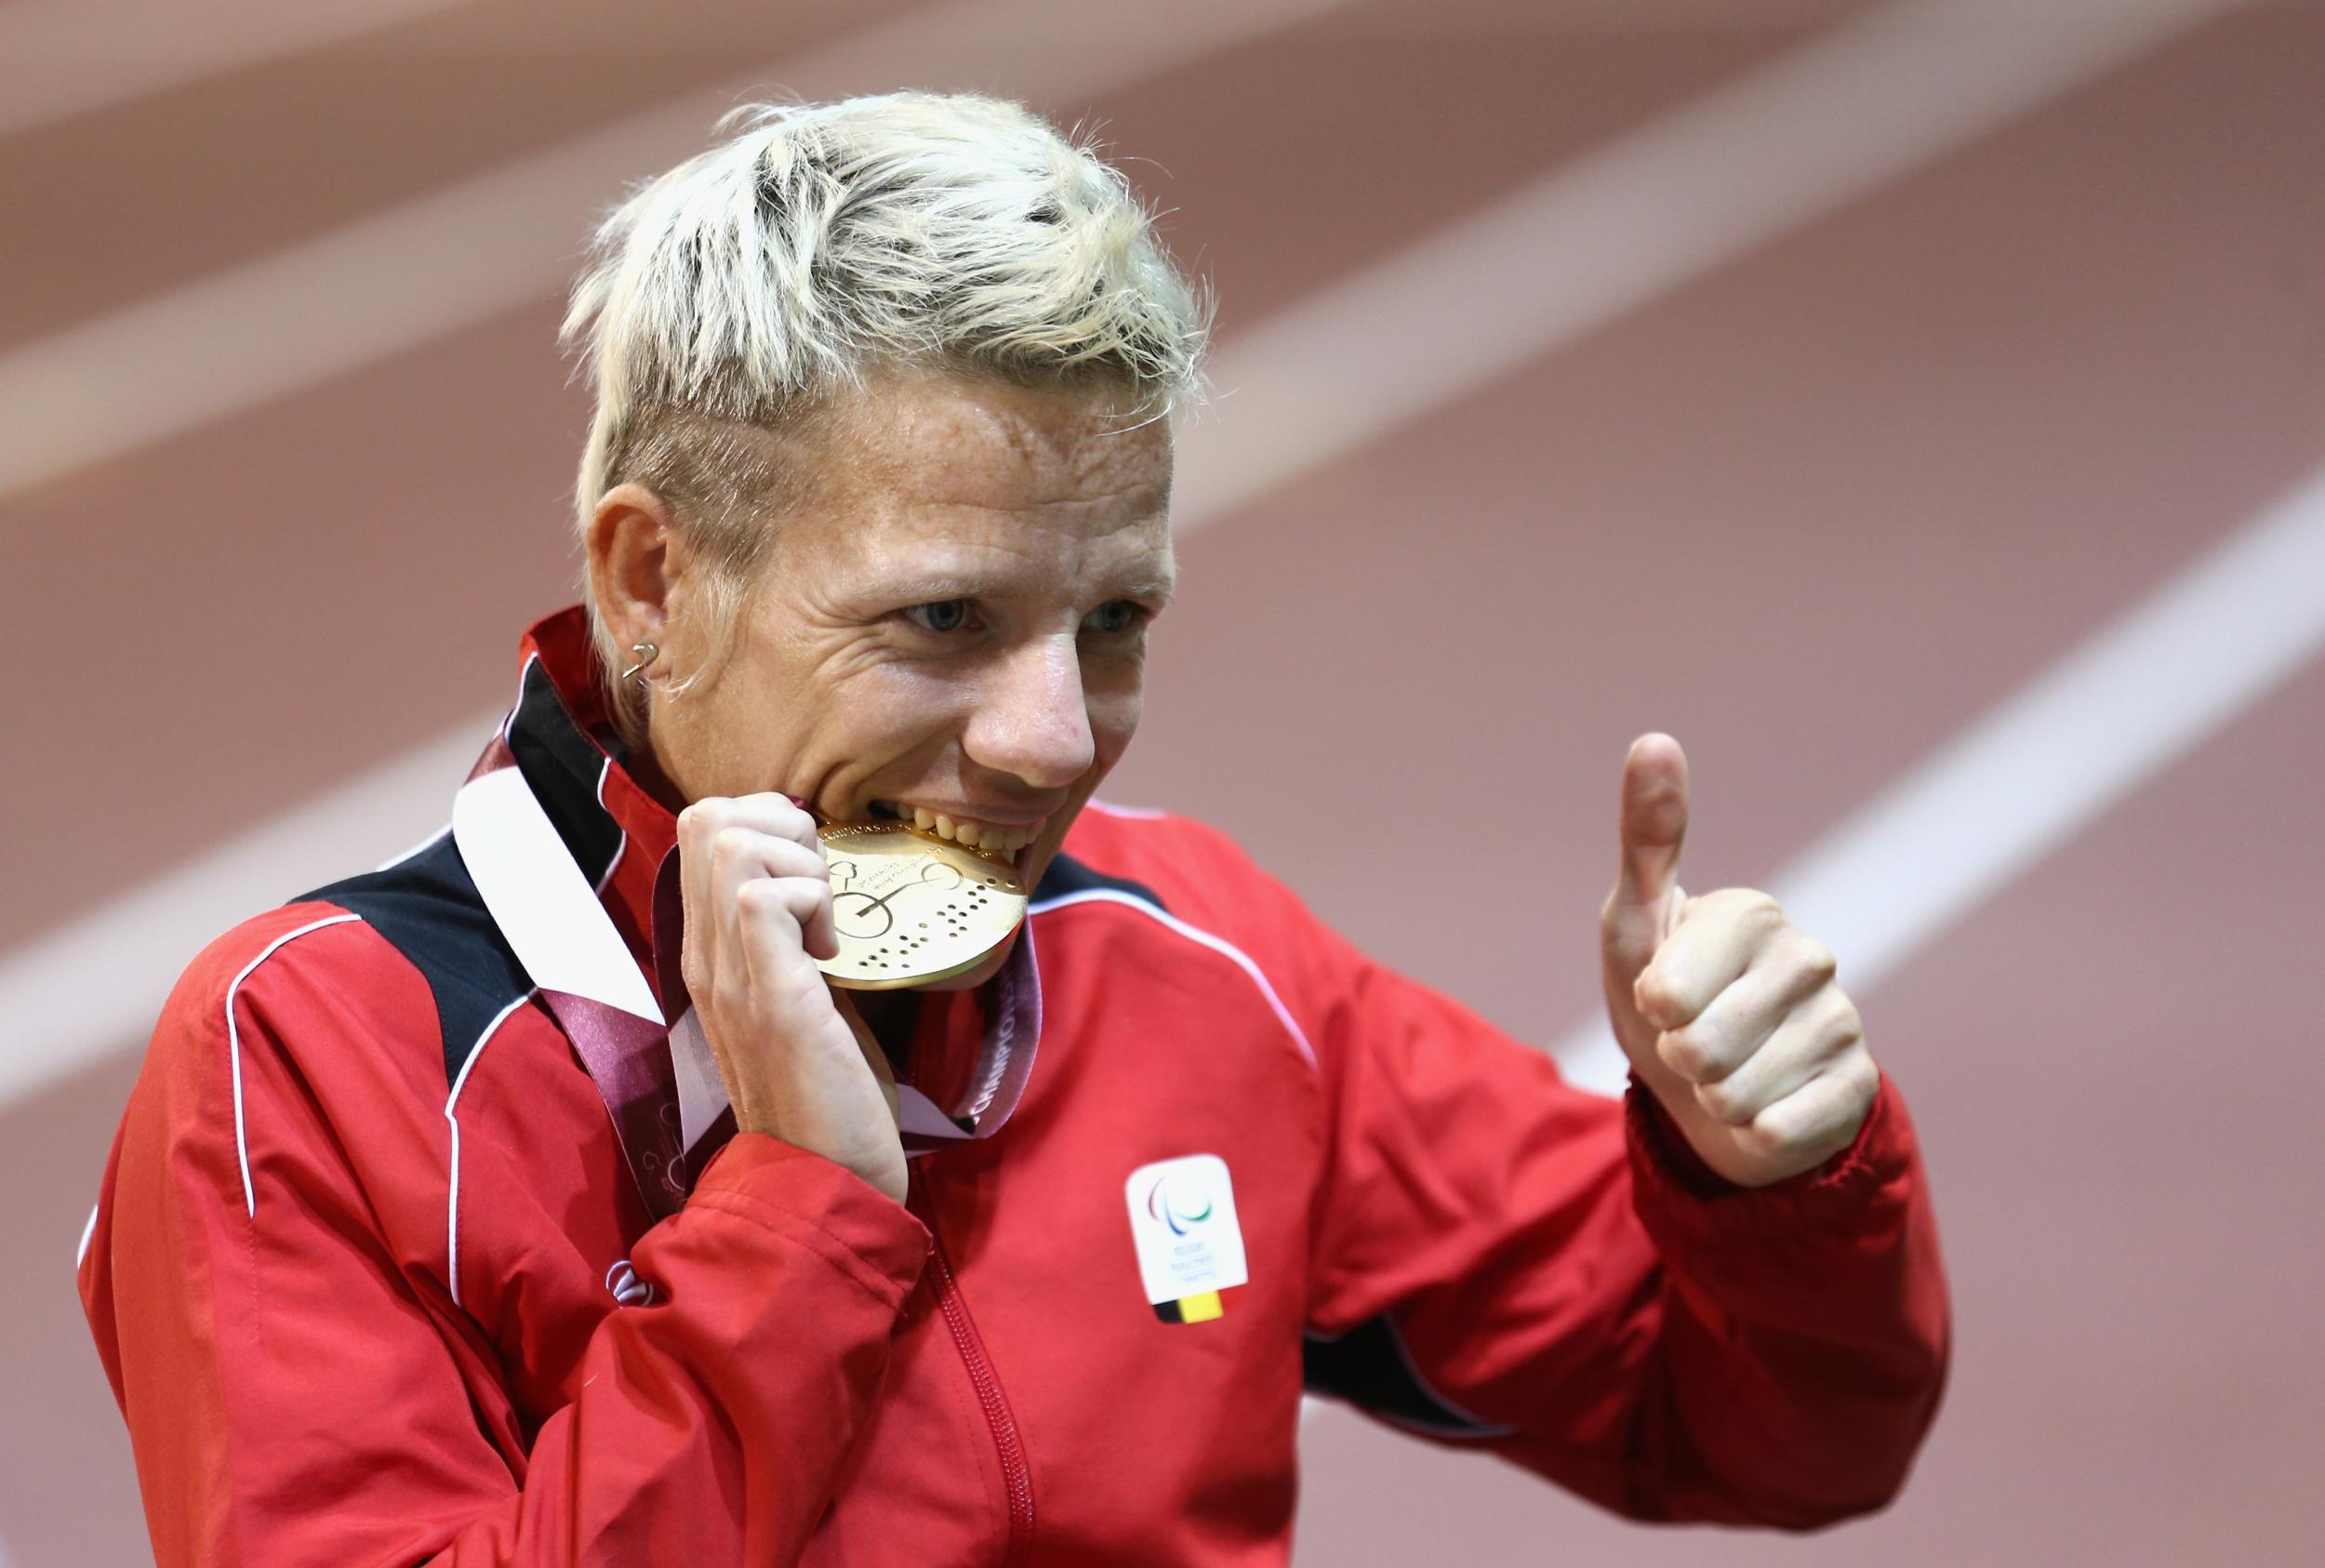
x,y
1032,718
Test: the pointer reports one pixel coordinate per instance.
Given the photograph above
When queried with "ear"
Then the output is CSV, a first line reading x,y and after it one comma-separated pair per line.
x,y
635,561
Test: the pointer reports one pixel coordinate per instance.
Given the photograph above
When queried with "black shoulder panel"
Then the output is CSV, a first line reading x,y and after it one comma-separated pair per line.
x,y
1367,1367
429,909
1068,875
562,766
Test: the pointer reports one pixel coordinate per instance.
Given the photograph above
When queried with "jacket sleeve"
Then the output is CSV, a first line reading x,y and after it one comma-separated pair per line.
x,y
297,1392
1503,1260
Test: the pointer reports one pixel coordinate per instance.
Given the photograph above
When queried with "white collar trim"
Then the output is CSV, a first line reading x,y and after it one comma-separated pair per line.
x,y
544,906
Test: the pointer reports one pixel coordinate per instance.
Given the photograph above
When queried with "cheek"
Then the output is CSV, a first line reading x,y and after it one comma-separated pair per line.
x,y
893,712
1113,720
731,745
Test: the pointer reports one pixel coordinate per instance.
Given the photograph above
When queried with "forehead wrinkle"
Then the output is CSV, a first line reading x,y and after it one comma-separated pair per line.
x,y
916,556
940,496
949,471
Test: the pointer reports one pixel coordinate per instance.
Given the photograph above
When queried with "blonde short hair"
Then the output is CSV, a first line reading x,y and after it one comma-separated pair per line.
x,y
746,288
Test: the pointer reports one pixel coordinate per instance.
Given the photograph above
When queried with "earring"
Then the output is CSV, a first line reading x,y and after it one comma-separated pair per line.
x,y
643,653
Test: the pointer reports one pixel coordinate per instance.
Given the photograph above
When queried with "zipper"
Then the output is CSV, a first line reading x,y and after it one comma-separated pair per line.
x,y
1016,1476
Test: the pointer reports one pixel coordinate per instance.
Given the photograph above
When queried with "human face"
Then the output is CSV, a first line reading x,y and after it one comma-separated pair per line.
x,y
954,626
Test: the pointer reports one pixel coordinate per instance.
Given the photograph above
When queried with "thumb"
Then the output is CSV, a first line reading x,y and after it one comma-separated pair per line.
x,y
1654,820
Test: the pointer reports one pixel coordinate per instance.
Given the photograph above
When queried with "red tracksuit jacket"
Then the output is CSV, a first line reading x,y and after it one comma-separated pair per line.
x,y
378,1279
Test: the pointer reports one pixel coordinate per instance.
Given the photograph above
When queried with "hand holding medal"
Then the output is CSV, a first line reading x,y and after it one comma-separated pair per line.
x,y
796,1061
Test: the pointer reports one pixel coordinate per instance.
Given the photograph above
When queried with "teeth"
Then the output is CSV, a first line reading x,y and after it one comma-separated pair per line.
x,y
992,839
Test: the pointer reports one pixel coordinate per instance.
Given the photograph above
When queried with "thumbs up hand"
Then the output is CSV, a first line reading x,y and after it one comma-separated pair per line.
x,y
1728,1012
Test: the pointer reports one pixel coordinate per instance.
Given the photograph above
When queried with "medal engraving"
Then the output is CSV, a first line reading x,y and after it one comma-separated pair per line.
x,y
911,909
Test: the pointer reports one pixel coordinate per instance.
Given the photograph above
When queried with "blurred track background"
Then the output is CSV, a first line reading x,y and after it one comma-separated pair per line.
x,y
1918,407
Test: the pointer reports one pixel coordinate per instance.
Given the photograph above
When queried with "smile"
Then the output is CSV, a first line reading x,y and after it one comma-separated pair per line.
x,y
1000,839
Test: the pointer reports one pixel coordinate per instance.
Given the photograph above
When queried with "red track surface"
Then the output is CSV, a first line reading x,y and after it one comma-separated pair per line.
x,y
1812,513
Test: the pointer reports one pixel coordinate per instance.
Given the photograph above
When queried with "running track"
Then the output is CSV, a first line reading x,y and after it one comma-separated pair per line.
x,y
1820,502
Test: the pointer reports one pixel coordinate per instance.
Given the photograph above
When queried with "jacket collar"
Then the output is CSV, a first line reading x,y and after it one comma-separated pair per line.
x,y
561,738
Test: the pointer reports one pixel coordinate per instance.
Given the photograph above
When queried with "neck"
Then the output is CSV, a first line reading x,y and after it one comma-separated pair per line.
x,y
644,764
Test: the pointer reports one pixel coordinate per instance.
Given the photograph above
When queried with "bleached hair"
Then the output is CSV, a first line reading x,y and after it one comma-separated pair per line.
x,y
747,289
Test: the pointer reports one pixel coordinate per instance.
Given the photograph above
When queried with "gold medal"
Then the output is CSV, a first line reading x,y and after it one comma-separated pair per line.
x,y
911,907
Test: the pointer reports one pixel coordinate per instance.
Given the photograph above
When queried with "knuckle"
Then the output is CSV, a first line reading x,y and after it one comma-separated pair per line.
x,y
1686,1053
1757,910
1828,1023
1775,1135
1723,1100
783,816
1813,959
760,898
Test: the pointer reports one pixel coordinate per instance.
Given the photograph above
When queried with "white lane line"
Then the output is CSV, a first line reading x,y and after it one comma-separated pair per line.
x,y
2145,689
84,998
96,984
1876,97
433,265
73,57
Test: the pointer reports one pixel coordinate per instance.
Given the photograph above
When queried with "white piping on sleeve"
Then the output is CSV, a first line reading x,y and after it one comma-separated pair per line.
x,y
452,1216
233,1048
1130,812
87,1230
452,1197
1196,935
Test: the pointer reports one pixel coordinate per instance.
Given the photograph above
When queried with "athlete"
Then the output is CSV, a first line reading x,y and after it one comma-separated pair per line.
x,y
544,1198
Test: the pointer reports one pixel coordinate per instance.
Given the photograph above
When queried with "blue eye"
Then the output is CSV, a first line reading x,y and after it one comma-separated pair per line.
x,y
1122,615
946,615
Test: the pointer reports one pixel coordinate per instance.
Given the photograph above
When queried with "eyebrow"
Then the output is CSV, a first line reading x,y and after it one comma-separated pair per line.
x,y
1160,585
935,588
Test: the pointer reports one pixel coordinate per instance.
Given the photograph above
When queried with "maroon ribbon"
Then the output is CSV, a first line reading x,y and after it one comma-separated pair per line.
x,y
628,1058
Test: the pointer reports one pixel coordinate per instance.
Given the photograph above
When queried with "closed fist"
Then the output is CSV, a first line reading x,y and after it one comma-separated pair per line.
x,y
796,1060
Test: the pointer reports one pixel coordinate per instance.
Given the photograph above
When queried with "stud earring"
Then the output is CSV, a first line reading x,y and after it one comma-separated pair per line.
x,y
643,653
